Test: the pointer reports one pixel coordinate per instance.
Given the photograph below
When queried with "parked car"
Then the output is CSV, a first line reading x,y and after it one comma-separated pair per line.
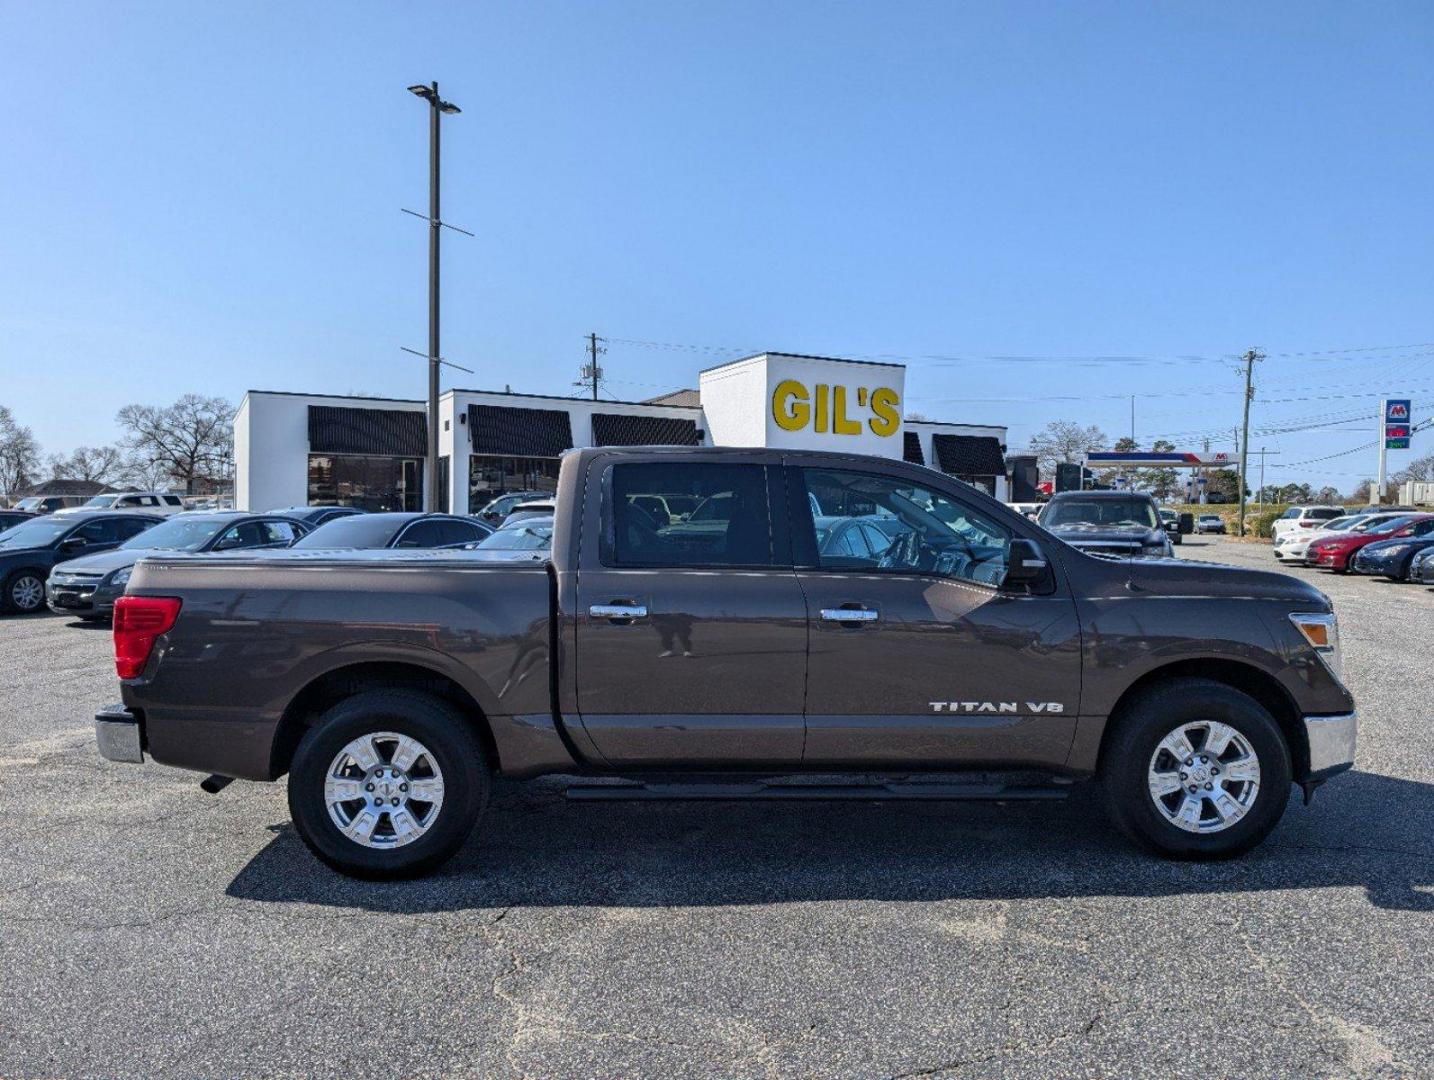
x,y
314,516
1210,523
47,504
1336,552
860,538
30,550
1394,558
145,502
13,517
1305,517
1422,569
526,540
496,510
1031,510
979,645
89,586
1176,524
397,529
545,507
1122,523
1293,545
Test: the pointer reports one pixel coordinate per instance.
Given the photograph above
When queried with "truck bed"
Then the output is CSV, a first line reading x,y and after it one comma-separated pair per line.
x,y
257,631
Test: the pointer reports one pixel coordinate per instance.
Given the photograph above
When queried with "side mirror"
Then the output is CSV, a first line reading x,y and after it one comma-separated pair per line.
x,y
1027,564
1187,523
72,543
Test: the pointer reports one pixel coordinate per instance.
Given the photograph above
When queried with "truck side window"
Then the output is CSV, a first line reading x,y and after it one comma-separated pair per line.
x,y
729,524
916,529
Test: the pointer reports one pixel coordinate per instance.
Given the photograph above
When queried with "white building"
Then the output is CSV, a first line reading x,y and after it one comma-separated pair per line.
x,y
303,449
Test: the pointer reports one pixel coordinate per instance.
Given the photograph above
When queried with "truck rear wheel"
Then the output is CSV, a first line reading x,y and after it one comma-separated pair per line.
x,y
1194,769
388,784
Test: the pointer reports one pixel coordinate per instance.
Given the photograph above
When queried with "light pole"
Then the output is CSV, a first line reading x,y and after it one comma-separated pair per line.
x,y
436,105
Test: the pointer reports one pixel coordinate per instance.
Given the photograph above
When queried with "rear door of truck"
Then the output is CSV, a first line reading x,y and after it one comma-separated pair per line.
x,y
691,628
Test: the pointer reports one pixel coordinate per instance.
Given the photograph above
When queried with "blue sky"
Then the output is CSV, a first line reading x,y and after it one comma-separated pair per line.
x,y
206,197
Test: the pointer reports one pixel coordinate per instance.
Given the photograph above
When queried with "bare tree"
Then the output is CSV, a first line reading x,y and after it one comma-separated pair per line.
x,y
101,464
19,457
189,442
1062,441
1418,469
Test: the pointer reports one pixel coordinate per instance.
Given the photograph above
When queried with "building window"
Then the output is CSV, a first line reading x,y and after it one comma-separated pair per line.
x,y
370,482
491,475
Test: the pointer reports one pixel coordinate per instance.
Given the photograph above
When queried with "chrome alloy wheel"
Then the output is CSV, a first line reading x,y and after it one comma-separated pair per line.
x,y
27,592
384,790
1204,776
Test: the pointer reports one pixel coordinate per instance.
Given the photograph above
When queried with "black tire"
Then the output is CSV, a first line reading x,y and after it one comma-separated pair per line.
x,y
446,733
1133,741
18,588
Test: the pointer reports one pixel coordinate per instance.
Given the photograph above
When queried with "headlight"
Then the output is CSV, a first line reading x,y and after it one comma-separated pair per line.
x,y
120,578
1322,632
1394,549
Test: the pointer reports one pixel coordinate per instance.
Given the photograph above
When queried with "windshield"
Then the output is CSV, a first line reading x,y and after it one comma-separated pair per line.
x,y
1387,525
533,535
1101,512
1339,523
32,503
40,532
178,534
355,531
101,502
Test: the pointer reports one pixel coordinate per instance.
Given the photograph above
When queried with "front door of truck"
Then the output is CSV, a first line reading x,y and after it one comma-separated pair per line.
x,y
691,634
919,659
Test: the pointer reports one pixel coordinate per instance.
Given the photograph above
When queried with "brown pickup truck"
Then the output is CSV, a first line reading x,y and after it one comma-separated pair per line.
x,y
721,623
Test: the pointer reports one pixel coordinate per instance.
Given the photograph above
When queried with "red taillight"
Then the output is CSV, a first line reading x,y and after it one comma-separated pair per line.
x,y
138,621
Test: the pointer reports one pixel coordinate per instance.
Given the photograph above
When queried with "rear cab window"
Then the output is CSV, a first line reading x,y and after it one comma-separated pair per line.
x,y
729,524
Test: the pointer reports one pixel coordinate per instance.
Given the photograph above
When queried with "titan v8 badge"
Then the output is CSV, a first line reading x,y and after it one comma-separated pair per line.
x,y
996,706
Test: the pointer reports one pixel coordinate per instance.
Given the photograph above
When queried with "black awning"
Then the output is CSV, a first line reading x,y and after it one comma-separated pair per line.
x,y
501,429
911,448
969,455
617,429
395,432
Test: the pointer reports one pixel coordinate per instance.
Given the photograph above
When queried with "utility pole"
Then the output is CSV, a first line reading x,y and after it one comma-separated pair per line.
x,y
436,105
1251,357
1132,420
1262,479
1383,452
592,373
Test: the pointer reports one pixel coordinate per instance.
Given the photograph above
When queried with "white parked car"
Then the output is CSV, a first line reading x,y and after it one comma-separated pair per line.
x,y
1030,510
151,502
1305,517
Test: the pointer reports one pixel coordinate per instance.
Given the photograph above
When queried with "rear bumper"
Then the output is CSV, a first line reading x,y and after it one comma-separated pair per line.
x,y
119,734
1331,743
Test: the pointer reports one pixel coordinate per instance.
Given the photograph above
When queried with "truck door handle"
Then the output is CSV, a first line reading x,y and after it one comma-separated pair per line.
x,y
618,613
849,615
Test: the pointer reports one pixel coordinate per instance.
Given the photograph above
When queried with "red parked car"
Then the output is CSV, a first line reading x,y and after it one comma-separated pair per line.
x,y
1337,552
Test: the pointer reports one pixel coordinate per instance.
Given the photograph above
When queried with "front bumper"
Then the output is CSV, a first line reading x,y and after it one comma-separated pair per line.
x,y
119,735
1331,743
82,599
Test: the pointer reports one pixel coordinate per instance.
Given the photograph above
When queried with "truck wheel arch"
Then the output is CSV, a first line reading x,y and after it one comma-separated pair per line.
x,y
1246,678
338,683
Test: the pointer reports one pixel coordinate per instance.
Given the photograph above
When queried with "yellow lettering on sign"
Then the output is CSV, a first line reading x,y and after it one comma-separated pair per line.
x,y
886,416
840,424
789,407
821,423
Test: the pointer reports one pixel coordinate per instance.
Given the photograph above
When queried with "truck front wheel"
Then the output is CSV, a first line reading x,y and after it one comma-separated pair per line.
x,y
1195,769
388,784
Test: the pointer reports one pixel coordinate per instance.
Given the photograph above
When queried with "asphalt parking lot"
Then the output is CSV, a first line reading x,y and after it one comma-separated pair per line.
x,y
149,929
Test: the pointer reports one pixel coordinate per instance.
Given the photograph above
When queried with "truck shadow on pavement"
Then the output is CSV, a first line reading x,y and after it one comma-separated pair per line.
x,y
533,848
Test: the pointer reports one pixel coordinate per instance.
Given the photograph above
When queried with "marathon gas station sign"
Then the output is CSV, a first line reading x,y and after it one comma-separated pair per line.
x,y
1396,424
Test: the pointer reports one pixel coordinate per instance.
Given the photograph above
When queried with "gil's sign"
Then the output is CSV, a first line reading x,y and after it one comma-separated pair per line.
x,y
826,408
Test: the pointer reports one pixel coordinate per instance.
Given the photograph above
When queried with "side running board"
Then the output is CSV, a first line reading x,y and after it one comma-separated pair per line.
x,y
896,790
